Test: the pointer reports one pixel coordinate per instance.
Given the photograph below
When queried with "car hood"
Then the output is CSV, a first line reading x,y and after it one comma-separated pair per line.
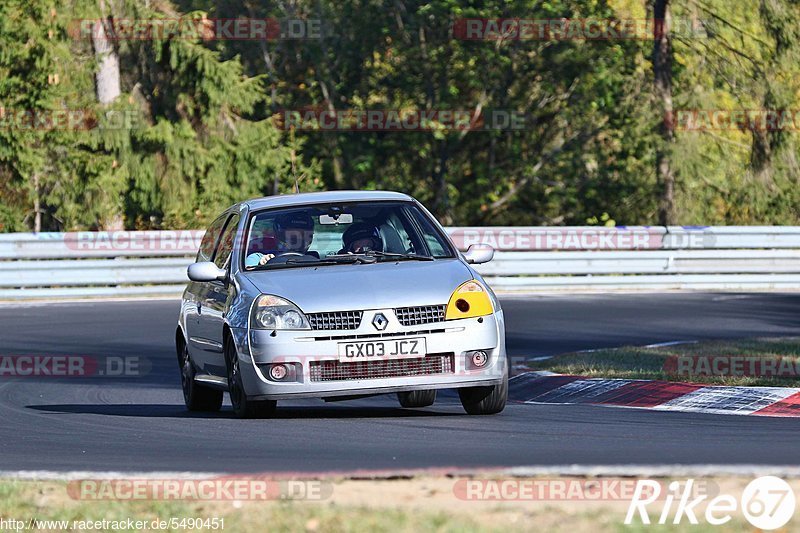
x,y
371,286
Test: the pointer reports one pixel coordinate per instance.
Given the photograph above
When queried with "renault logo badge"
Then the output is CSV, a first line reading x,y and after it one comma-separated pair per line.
x,y
380,322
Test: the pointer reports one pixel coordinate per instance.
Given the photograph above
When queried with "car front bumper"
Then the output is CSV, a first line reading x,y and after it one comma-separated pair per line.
x,y
304,351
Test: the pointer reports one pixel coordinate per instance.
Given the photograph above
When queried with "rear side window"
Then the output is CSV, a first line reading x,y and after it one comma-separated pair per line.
x,y
210,240
225,247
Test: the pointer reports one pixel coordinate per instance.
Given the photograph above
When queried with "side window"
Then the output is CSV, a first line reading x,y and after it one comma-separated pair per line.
x,y
210,240
433,240
435,245
225,246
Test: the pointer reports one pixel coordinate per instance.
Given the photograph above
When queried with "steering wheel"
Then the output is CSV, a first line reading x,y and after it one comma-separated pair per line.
x,y
285,256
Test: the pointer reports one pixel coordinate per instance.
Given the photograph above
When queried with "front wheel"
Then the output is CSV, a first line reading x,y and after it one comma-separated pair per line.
x,y
485,400
243,407
417,398
196,397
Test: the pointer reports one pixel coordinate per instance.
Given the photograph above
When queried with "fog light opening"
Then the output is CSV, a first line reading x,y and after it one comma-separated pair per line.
x,y
479,359
462,305
278,372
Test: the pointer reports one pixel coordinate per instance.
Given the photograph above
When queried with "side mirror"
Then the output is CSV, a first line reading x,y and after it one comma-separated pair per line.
x,y
206,271
479,253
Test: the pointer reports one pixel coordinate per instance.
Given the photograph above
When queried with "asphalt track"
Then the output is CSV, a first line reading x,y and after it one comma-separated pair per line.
x,y
139,424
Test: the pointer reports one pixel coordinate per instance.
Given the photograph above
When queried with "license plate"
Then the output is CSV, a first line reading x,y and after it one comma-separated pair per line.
x,y
351,352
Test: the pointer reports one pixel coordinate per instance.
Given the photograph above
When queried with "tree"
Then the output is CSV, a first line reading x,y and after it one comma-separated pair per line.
x,y
186,136
662,76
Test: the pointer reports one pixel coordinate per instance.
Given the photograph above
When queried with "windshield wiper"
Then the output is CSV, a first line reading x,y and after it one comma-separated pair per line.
x,y
292,263
350,258
315,262
390,255
369,257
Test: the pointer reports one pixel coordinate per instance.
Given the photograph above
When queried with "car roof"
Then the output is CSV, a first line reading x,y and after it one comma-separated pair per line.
x,y
290,200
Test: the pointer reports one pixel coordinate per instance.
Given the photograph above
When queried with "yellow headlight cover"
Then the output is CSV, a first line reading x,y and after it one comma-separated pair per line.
x,y
469,300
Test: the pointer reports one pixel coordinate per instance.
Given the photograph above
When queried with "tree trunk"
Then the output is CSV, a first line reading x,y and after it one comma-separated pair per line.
x,y
108,88
761,155
37,205
332,142
442,198
326,80
108,73
662,74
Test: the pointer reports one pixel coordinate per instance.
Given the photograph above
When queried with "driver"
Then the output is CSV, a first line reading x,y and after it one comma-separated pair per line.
x,y
294,232
362,237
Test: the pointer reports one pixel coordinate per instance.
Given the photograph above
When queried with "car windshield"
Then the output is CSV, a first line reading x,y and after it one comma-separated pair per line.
x,y
331,234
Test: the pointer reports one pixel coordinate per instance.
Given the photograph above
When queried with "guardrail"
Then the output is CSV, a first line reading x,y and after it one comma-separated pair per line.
x,y
140,263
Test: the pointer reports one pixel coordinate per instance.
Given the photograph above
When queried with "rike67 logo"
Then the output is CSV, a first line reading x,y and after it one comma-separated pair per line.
x,y
767,503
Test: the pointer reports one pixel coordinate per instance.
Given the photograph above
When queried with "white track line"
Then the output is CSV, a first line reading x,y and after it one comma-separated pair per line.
x,y
21,304
646,470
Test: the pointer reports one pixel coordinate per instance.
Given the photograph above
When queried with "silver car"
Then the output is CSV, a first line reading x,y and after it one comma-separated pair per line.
x,y
337,295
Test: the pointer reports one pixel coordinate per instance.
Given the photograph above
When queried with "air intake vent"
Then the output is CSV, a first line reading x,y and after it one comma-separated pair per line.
x,y
338,320
414,316
393,368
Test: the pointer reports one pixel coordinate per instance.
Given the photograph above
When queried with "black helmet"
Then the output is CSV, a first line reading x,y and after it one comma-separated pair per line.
x,y
362,230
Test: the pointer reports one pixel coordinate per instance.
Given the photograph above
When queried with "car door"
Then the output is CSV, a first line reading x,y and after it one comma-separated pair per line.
x,y
214,302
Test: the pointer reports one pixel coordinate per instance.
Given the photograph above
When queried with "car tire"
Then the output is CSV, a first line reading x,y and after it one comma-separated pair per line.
x,y
417,398
485,400
243,406
196,397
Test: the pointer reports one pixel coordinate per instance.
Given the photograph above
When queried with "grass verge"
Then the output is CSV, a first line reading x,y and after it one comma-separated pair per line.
x,y
770,362
48,503
398,505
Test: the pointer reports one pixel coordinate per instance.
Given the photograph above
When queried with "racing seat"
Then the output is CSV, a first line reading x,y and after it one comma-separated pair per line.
x,y
392,242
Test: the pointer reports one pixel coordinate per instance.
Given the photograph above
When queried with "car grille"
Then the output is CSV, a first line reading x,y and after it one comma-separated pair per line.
x,y
335,320
354,336
394,368
414,316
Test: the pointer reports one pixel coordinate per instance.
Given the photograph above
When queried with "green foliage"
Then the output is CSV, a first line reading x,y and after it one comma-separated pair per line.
x,y
584,148
747,61
198,132
182,142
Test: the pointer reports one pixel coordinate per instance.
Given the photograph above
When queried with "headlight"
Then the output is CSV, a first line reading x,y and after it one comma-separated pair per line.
x,y
469,300
272,312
